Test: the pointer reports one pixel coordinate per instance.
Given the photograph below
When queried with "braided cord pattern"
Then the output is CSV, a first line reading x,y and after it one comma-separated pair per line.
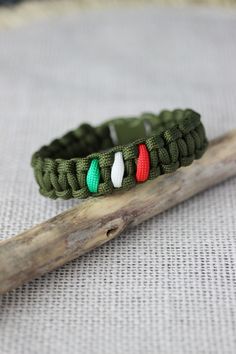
x,y
73,167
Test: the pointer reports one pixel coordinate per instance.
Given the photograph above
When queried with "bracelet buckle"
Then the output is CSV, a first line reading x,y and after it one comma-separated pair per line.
x,y
126,130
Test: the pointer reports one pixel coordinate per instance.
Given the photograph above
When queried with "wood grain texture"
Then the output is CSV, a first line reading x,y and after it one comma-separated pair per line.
x,y
97,220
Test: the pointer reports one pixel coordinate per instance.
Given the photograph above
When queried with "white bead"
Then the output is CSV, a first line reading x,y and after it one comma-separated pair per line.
x,y
117,170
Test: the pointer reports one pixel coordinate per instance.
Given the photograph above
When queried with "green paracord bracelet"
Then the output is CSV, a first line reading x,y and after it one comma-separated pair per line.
x,y
118,154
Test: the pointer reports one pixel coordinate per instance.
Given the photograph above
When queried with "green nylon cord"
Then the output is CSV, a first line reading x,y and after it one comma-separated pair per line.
x,y
93,176
79,164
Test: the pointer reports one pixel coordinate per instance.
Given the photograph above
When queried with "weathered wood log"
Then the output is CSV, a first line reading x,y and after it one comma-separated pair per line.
x,y
97,220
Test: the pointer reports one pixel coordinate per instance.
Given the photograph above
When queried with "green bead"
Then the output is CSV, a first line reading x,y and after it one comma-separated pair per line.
x,y
93,176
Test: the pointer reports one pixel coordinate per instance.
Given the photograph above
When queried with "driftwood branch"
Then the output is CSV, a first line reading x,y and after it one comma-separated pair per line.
x,y
95,221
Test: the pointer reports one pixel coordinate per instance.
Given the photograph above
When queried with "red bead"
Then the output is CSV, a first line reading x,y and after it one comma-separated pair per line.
x,y
143,164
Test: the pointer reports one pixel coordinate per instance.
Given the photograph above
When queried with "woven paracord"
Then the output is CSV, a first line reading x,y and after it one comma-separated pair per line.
x,y
84,162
